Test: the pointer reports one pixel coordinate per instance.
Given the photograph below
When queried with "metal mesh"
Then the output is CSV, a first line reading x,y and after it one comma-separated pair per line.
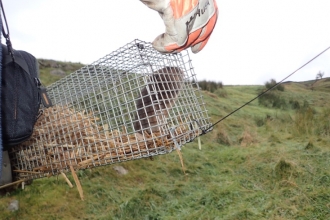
x,y
130,104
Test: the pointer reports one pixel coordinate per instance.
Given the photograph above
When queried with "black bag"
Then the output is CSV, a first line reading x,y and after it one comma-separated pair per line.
x,y
21,92
21,96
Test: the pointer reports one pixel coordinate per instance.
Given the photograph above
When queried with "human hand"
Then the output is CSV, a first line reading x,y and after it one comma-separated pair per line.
x,y
189,23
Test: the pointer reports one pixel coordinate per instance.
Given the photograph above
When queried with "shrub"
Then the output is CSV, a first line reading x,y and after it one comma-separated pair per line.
x,y
272,83
210,86
294,104
272,98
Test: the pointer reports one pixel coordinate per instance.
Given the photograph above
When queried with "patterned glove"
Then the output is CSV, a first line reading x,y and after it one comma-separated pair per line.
x,y
189,23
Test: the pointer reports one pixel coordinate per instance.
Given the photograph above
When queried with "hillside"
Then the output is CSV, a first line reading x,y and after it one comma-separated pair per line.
x,y
269,160
52,70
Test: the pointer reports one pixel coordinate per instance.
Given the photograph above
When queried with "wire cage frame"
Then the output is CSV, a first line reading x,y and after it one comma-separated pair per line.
x,y
133,103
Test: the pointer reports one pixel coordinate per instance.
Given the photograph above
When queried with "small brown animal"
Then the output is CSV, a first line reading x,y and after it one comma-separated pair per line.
x,y
157,98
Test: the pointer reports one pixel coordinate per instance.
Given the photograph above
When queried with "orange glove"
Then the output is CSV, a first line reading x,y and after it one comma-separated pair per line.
x,y
189,23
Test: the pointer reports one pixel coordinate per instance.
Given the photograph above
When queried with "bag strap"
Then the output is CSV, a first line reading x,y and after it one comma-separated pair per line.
x,y
6,34
11,58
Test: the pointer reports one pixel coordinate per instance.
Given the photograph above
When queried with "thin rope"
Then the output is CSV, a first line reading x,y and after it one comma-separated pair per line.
x,y
264,92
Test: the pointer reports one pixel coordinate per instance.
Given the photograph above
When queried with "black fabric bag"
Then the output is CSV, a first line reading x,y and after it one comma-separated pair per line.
x,y
21,93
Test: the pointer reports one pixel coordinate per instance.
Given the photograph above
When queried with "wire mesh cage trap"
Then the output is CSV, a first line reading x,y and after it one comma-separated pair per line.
x,y
130,104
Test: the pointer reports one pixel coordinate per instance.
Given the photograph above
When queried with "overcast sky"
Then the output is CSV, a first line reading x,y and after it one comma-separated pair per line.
x,y
254,40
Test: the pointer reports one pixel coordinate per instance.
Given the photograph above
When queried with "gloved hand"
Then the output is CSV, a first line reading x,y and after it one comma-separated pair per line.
x,y
189,23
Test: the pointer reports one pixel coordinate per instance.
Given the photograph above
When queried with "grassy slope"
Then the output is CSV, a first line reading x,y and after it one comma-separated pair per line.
x,y
256,164
47,66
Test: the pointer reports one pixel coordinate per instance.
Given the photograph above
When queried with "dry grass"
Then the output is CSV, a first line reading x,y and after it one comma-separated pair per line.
x,y
63,138
248,138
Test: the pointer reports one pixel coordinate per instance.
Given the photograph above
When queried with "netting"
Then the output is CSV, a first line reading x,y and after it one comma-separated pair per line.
x,y
130,104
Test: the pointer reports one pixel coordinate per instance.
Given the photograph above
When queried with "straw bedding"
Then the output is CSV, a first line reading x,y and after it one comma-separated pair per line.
x,y
63,137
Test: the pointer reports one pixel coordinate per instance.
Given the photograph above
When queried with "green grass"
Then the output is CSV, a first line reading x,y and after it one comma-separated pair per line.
x,y
259,163
46,66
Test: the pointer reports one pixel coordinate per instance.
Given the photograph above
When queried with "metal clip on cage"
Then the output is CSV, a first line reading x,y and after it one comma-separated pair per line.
x,y
130,104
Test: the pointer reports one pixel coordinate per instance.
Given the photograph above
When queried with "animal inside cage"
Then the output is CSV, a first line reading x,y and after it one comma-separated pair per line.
x,y
130,104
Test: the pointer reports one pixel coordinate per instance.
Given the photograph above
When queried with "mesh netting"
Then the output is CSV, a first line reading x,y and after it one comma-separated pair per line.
x,y
130,104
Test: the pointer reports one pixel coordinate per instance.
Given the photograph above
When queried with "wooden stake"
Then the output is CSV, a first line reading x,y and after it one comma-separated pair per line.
x,y
13,183
25,171
66,179
76,180
181,160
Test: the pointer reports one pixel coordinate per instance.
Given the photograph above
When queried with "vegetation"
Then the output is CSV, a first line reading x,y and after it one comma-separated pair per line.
x,y
210,86
319,75
271,83
263,162
51,70
273,97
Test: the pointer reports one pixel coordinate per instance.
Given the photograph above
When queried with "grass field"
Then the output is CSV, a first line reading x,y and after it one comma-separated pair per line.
x,y
260,163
